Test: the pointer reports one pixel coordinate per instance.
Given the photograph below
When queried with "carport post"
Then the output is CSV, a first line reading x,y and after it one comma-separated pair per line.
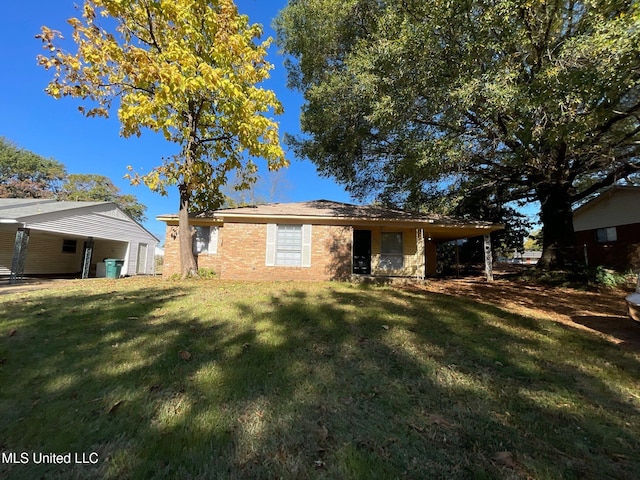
x,y
19,254
488,260
86,262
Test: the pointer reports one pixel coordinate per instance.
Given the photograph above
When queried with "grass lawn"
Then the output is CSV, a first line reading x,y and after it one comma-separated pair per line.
x,y
210,379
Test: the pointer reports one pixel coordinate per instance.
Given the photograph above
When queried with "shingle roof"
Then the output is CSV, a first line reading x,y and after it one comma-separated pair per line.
x,y
335,213
330,209
17,208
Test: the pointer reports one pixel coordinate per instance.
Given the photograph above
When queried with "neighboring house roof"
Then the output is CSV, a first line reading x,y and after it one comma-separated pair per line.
x,y
22,208
326,211
48,214
618,205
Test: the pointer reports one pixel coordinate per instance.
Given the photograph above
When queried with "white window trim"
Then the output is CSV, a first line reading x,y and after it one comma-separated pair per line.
x,y
213,240
272,247
212,246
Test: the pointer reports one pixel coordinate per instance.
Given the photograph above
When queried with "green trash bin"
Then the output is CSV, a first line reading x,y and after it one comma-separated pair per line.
x,y
113,267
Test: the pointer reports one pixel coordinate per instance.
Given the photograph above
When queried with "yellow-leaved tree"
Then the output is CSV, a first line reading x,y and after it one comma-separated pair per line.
x,y
190,69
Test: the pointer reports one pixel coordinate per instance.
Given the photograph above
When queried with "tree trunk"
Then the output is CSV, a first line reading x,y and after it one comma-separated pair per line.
x,y
558,238
188,265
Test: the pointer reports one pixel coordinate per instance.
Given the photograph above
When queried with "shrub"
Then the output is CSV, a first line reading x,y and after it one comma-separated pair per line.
x,y
605,277
206,272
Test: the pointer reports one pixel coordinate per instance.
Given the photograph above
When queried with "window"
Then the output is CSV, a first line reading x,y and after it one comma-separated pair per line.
x,y
391,255
288,245
205,240
69,246
604,235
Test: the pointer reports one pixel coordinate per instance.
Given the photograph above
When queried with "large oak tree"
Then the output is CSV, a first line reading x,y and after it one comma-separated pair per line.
x,y
512,100
190,69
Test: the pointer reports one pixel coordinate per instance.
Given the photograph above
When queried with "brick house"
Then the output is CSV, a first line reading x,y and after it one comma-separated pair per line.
x,y
608,228
317,240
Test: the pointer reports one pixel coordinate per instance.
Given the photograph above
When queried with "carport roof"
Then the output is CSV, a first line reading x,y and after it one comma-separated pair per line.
x,y
19,208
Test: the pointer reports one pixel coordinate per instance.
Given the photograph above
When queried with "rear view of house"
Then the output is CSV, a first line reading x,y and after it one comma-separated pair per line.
x,y
317,240
47,237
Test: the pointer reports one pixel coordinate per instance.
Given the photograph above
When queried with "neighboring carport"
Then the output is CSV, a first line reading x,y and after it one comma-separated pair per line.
x,y
46,237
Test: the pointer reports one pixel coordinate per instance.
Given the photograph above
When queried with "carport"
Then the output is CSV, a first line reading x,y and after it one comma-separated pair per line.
x,y
46,237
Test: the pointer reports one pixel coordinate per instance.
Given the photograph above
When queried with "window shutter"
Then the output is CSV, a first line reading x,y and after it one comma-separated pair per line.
x,y
306,245
213,240
271,244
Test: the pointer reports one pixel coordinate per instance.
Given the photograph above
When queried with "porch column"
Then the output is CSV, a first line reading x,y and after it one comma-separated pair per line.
x,y
421,255
488,260
19,254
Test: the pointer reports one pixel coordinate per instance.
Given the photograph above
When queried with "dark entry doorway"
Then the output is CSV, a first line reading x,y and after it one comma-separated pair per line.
x,y
362,252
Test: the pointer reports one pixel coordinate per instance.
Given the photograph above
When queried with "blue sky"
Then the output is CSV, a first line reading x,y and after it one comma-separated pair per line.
x,y
55,128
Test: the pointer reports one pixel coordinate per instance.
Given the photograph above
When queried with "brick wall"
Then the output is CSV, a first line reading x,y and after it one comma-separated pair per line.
x,y
622,254
244,247
171,261
242,254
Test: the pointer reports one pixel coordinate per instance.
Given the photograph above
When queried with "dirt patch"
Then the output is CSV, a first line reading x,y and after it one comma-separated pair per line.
x,y
30,284
604,313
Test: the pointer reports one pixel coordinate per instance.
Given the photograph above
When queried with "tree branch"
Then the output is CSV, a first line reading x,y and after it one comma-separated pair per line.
x,y
622,171
151,29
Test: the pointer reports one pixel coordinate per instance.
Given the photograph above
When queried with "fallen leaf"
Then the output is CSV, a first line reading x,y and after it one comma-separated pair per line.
x,y
436,419
416,428
386,327
115,406
505,458
184,355
12,332
323,433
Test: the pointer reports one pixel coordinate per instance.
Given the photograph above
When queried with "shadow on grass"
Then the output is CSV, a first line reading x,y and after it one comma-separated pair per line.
x,y
622,328
220,380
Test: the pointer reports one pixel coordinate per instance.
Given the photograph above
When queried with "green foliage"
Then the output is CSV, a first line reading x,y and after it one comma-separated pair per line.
x,y
427,103
24,174
534,241
608,278
589,278
206,273
188,69
98,188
